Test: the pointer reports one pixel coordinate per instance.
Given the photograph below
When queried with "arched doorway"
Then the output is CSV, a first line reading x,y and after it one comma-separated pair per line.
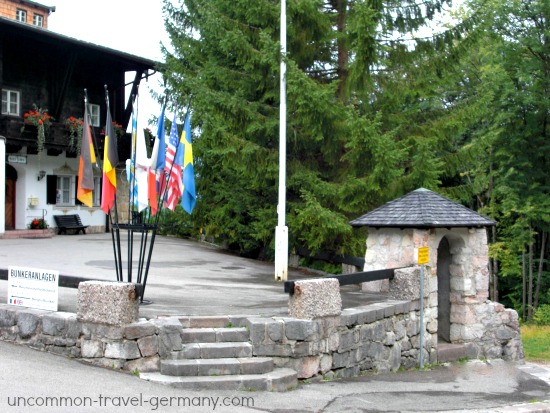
x,y
11,179
444,258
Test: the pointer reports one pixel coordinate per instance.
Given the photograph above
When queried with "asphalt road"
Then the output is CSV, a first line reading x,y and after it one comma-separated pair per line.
x,y
29,378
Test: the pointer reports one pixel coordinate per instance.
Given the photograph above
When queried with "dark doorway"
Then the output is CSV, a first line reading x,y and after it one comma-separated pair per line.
x,y
11,179
444,290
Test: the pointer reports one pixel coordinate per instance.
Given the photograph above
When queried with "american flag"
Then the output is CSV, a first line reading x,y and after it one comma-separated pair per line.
x,y
173,168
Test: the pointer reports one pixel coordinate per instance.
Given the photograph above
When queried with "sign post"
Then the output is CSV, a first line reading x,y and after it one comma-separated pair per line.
x,y
423,258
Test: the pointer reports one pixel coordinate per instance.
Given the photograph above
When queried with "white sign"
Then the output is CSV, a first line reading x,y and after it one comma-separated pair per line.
x,y
17,158
34,288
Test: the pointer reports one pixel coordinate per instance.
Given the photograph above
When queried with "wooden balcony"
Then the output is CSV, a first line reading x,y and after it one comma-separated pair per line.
x,y
57,138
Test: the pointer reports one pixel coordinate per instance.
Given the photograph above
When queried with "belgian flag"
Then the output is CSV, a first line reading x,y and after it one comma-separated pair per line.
x,y
110,161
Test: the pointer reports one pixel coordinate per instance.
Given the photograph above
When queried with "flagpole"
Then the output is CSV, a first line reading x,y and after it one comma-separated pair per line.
x,y
96,146
131,183
281,231
117,248
163,182
160,200
132,201
176,150
131,198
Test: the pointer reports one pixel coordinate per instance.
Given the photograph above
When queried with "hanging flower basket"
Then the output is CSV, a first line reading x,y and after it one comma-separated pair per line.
x,y
42,120
75,132
119,132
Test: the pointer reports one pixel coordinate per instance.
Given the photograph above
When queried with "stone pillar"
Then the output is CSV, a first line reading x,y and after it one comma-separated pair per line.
x,y
104,302
315,299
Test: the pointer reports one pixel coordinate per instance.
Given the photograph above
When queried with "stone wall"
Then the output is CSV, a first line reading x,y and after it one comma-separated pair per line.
x,y
136,345
486,328
380,337
394,248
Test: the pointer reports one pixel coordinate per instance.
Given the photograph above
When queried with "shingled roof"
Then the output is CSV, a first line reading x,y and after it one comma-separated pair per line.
x,y
422,208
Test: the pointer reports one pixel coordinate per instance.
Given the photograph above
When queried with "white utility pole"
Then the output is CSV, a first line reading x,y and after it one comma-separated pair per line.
x,y
281,231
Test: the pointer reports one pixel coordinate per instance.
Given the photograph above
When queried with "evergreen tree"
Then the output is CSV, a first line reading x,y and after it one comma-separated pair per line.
x,y
500,163
344,155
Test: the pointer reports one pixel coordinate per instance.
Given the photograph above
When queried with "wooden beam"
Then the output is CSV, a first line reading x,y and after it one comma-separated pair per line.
x,y
134,92
60,98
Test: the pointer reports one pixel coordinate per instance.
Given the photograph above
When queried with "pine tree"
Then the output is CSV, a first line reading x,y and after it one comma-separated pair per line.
x,y
500,162
352,106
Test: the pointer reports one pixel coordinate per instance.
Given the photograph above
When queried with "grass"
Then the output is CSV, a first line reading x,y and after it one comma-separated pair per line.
x,y
536,342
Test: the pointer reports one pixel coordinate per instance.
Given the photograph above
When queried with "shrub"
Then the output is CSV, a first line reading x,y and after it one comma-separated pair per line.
x,y
542,315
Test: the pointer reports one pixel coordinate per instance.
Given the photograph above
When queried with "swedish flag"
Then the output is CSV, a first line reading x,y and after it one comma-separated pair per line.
x,y
189,197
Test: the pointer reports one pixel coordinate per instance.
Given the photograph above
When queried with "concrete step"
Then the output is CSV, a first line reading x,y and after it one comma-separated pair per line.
x,y
276,380
213,335
213,350
216,367
448,352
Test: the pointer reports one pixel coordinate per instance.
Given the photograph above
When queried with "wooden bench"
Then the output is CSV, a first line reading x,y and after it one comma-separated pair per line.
x,y
71,221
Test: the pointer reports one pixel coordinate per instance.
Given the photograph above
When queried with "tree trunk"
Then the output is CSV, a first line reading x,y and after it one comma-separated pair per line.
x,y
530,286
494,261
343,52
524,287
541,266
495,267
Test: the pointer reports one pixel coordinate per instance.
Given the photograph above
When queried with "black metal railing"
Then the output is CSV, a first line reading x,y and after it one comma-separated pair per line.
x,y
350,279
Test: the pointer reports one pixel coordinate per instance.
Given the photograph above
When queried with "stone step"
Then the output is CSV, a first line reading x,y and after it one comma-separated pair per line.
x,y
213,335
213,350
448,352
206,321
216,367
276,380
28,233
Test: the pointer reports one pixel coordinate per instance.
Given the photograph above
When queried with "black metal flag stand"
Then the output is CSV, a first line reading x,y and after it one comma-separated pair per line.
x,y
138,226
137,233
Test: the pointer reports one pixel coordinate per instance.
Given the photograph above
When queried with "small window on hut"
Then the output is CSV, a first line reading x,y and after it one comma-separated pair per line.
x,y
38,20
21,15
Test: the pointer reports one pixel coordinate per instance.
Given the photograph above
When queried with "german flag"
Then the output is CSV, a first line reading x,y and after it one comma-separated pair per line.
x,y
87,159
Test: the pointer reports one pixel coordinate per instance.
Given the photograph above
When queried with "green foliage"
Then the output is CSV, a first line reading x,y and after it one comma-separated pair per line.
x,y
321,265
343,158
536,342
371,115
177,223
542,315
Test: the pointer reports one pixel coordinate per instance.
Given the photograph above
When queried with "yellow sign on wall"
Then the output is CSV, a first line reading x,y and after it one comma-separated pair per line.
x,y
423,255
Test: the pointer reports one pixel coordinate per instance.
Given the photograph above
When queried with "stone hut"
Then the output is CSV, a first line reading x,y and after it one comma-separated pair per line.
x,y
457,309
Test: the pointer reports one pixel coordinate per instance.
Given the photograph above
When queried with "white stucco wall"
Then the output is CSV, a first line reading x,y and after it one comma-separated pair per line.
x,y
28,186
2,185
